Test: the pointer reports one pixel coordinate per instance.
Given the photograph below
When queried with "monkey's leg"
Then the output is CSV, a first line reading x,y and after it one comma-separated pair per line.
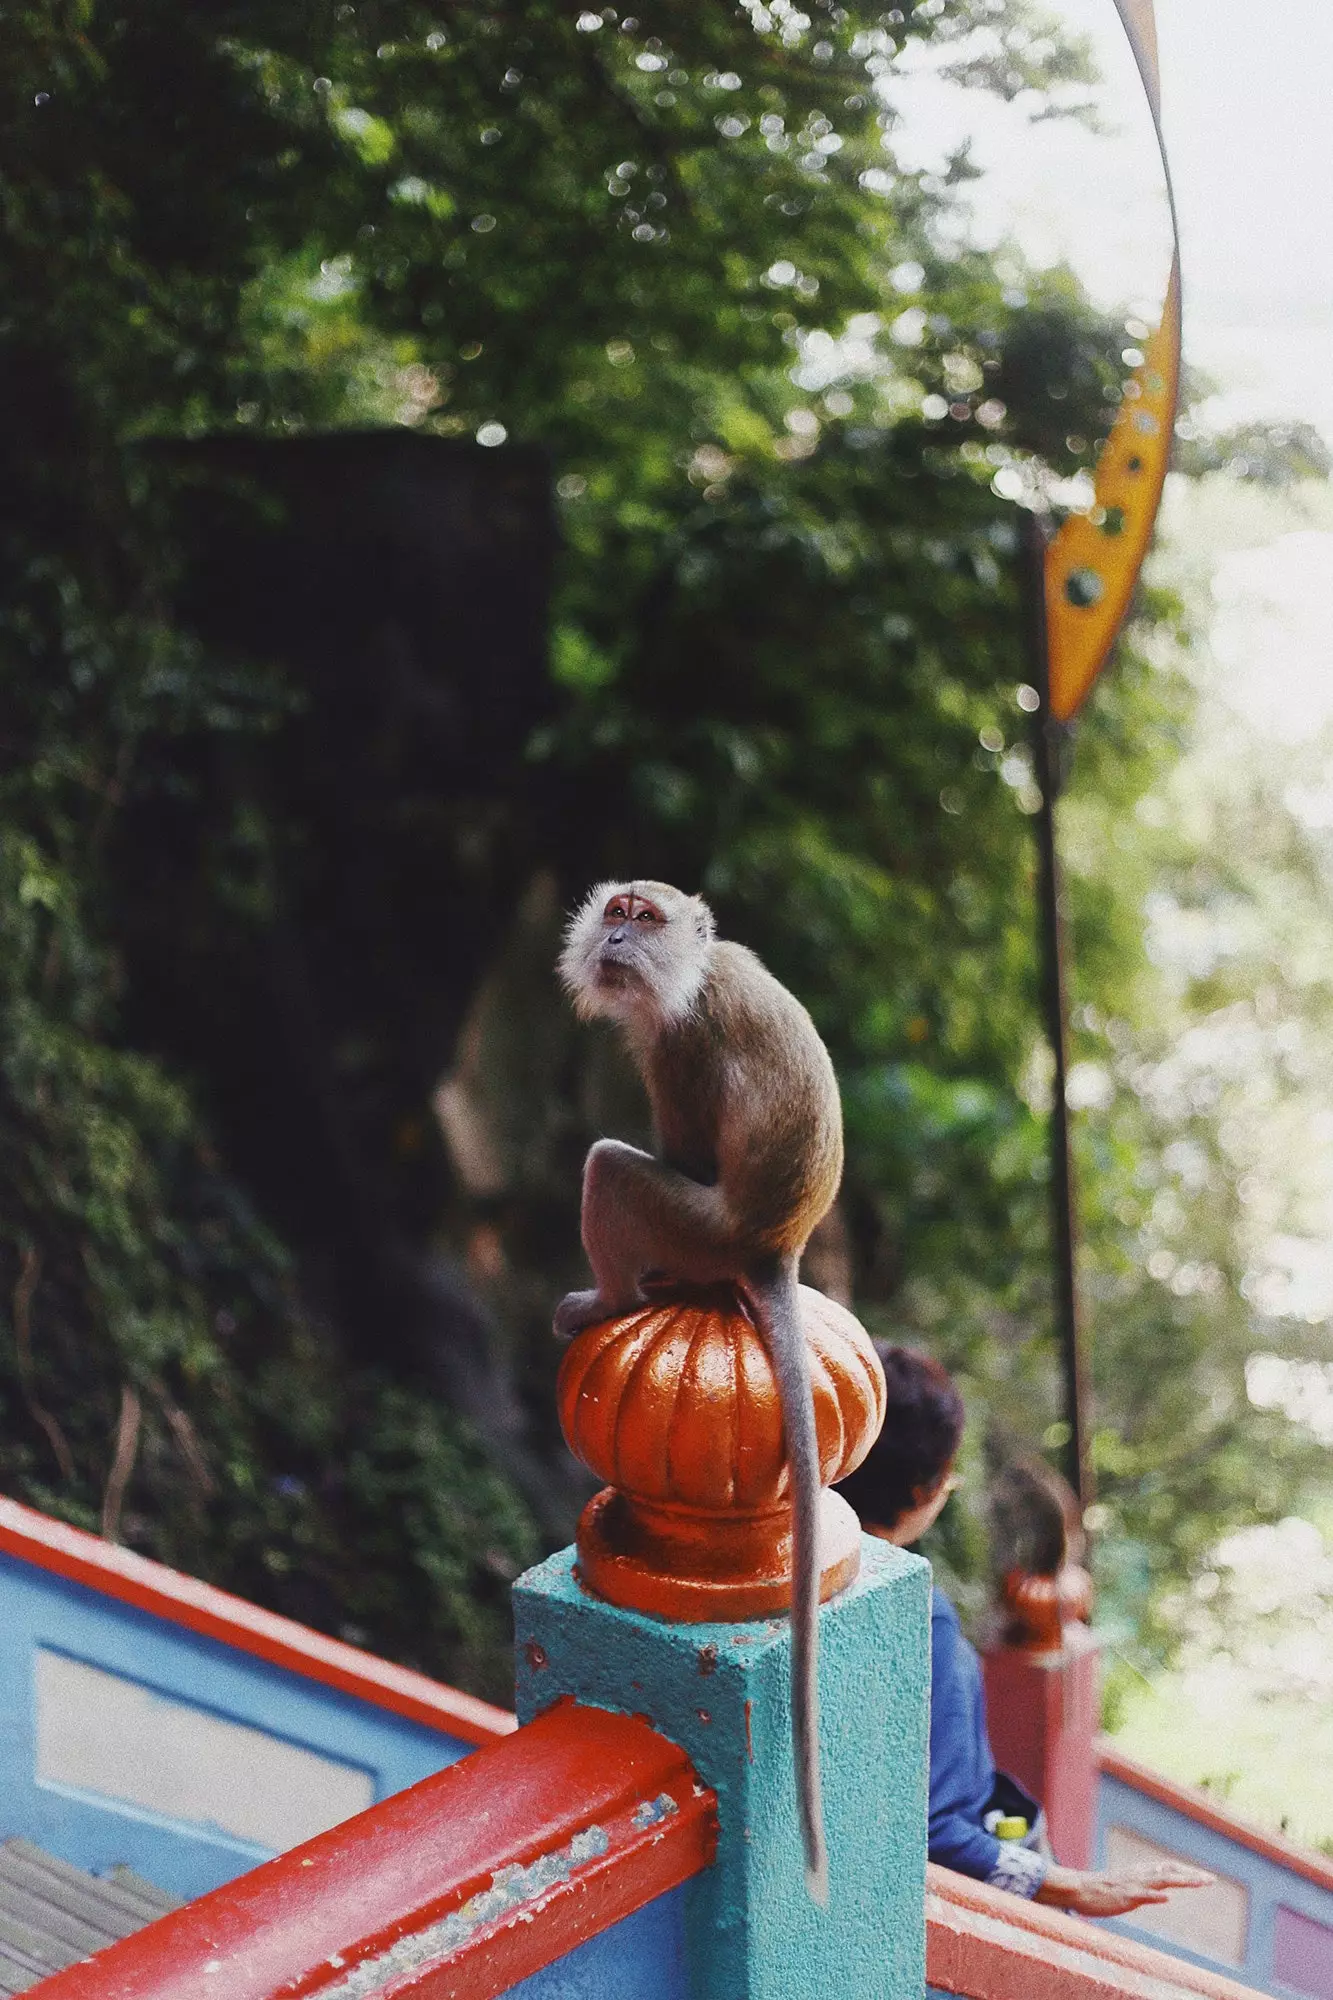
x,y
641,1216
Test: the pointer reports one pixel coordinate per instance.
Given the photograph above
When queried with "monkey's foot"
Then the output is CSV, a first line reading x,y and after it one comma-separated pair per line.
x,y
577,1310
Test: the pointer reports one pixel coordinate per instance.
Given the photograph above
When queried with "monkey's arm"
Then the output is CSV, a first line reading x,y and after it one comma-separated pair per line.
x,y
640,1216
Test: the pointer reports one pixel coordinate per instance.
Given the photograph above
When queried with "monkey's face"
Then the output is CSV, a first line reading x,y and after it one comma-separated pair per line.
x,y
637,952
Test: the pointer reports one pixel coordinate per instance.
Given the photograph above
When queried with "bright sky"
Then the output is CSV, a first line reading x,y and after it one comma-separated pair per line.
x,y
1246,108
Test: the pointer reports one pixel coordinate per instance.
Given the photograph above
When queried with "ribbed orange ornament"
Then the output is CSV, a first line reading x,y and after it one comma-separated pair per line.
x,y
676,1405
1040,1607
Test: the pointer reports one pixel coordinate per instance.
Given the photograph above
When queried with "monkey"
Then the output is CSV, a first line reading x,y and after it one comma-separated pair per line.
x,y
749,1130
1034,1519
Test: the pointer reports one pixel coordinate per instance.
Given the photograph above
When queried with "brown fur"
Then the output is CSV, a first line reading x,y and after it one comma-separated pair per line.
x,y
749,1128
744,1095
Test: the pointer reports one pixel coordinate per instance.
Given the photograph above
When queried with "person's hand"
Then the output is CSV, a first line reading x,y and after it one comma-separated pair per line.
x,y
1107,1893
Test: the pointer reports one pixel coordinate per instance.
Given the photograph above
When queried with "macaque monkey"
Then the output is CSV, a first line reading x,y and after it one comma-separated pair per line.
x,y
749,1128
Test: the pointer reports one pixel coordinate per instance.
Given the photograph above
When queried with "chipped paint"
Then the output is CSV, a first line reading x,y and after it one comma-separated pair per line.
x,y
653,1811
510,1889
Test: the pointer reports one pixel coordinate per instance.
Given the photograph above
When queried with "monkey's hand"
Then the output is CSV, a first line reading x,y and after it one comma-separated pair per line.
x,y
577,1310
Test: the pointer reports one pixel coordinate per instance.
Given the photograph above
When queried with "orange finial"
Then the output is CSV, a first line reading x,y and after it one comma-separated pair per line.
x,y
1038,1608
676,1406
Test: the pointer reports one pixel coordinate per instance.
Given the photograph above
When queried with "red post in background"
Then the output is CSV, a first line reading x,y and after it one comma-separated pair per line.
x,y
1043,1703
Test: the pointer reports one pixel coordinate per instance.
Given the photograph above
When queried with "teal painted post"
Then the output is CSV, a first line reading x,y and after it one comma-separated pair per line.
x,y
720,1692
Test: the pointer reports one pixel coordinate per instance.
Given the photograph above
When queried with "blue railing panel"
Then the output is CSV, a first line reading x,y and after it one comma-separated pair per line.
x,y
640,1958
1266,1924
126,1738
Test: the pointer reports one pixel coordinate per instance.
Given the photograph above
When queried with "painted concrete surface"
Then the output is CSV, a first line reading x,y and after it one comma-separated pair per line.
x,y
1271,1928
98,1732
640,1958
1043,1711
1303,1954
1213,1923
721,1693
121,1781
983,1944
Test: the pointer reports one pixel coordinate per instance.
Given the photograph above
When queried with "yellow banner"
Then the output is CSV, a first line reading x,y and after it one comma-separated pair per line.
x,y
1093,562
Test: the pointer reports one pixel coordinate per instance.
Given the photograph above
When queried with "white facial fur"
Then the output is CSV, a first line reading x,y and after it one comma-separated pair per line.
x,y
655,977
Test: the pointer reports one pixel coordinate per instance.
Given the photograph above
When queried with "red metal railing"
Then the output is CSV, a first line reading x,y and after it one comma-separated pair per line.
x,y
982,1944
215,1614
472,1880
467,1882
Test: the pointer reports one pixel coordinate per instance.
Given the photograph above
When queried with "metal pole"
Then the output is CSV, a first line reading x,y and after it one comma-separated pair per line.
x,y
1046,760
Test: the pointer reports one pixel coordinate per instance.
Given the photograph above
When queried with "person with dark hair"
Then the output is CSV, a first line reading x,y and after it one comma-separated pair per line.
x,y
899,1491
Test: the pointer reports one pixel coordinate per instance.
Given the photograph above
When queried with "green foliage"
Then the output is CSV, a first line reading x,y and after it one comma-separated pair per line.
x,y
150,1308
1203,1086
679,253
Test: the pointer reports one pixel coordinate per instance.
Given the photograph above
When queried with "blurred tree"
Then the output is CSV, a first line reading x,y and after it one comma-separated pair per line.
x,y
1201,1081
1272,454
775,387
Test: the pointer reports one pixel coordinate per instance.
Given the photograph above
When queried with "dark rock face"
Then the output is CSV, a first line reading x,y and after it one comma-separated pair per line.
x,y
306,909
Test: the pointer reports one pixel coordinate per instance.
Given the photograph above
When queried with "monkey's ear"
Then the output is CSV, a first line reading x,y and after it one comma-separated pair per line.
x,y
705,923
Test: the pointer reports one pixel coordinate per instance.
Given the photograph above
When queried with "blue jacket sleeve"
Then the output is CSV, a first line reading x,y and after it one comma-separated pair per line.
x,y
962,1769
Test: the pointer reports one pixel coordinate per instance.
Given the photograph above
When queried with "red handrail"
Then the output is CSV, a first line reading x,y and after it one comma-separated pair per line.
x,y
215,1614
472,1880
982,1944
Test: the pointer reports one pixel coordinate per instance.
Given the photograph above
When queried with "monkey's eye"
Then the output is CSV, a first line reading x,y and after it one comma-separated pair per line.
x,y
615,912
648,917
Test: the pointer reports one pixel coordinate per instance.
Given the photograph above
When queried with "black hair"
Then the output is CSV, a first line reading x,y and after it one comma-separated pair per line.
x,y
923,1424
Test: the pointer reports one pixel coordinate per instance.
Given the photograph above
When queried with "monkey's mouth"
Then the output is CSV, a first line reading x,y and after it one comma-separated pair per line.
x,y
613,972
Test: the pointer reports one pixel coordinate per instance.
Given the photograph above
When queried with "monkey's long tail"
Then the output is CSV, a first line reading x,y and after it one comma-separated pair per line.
x,y
775,1310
